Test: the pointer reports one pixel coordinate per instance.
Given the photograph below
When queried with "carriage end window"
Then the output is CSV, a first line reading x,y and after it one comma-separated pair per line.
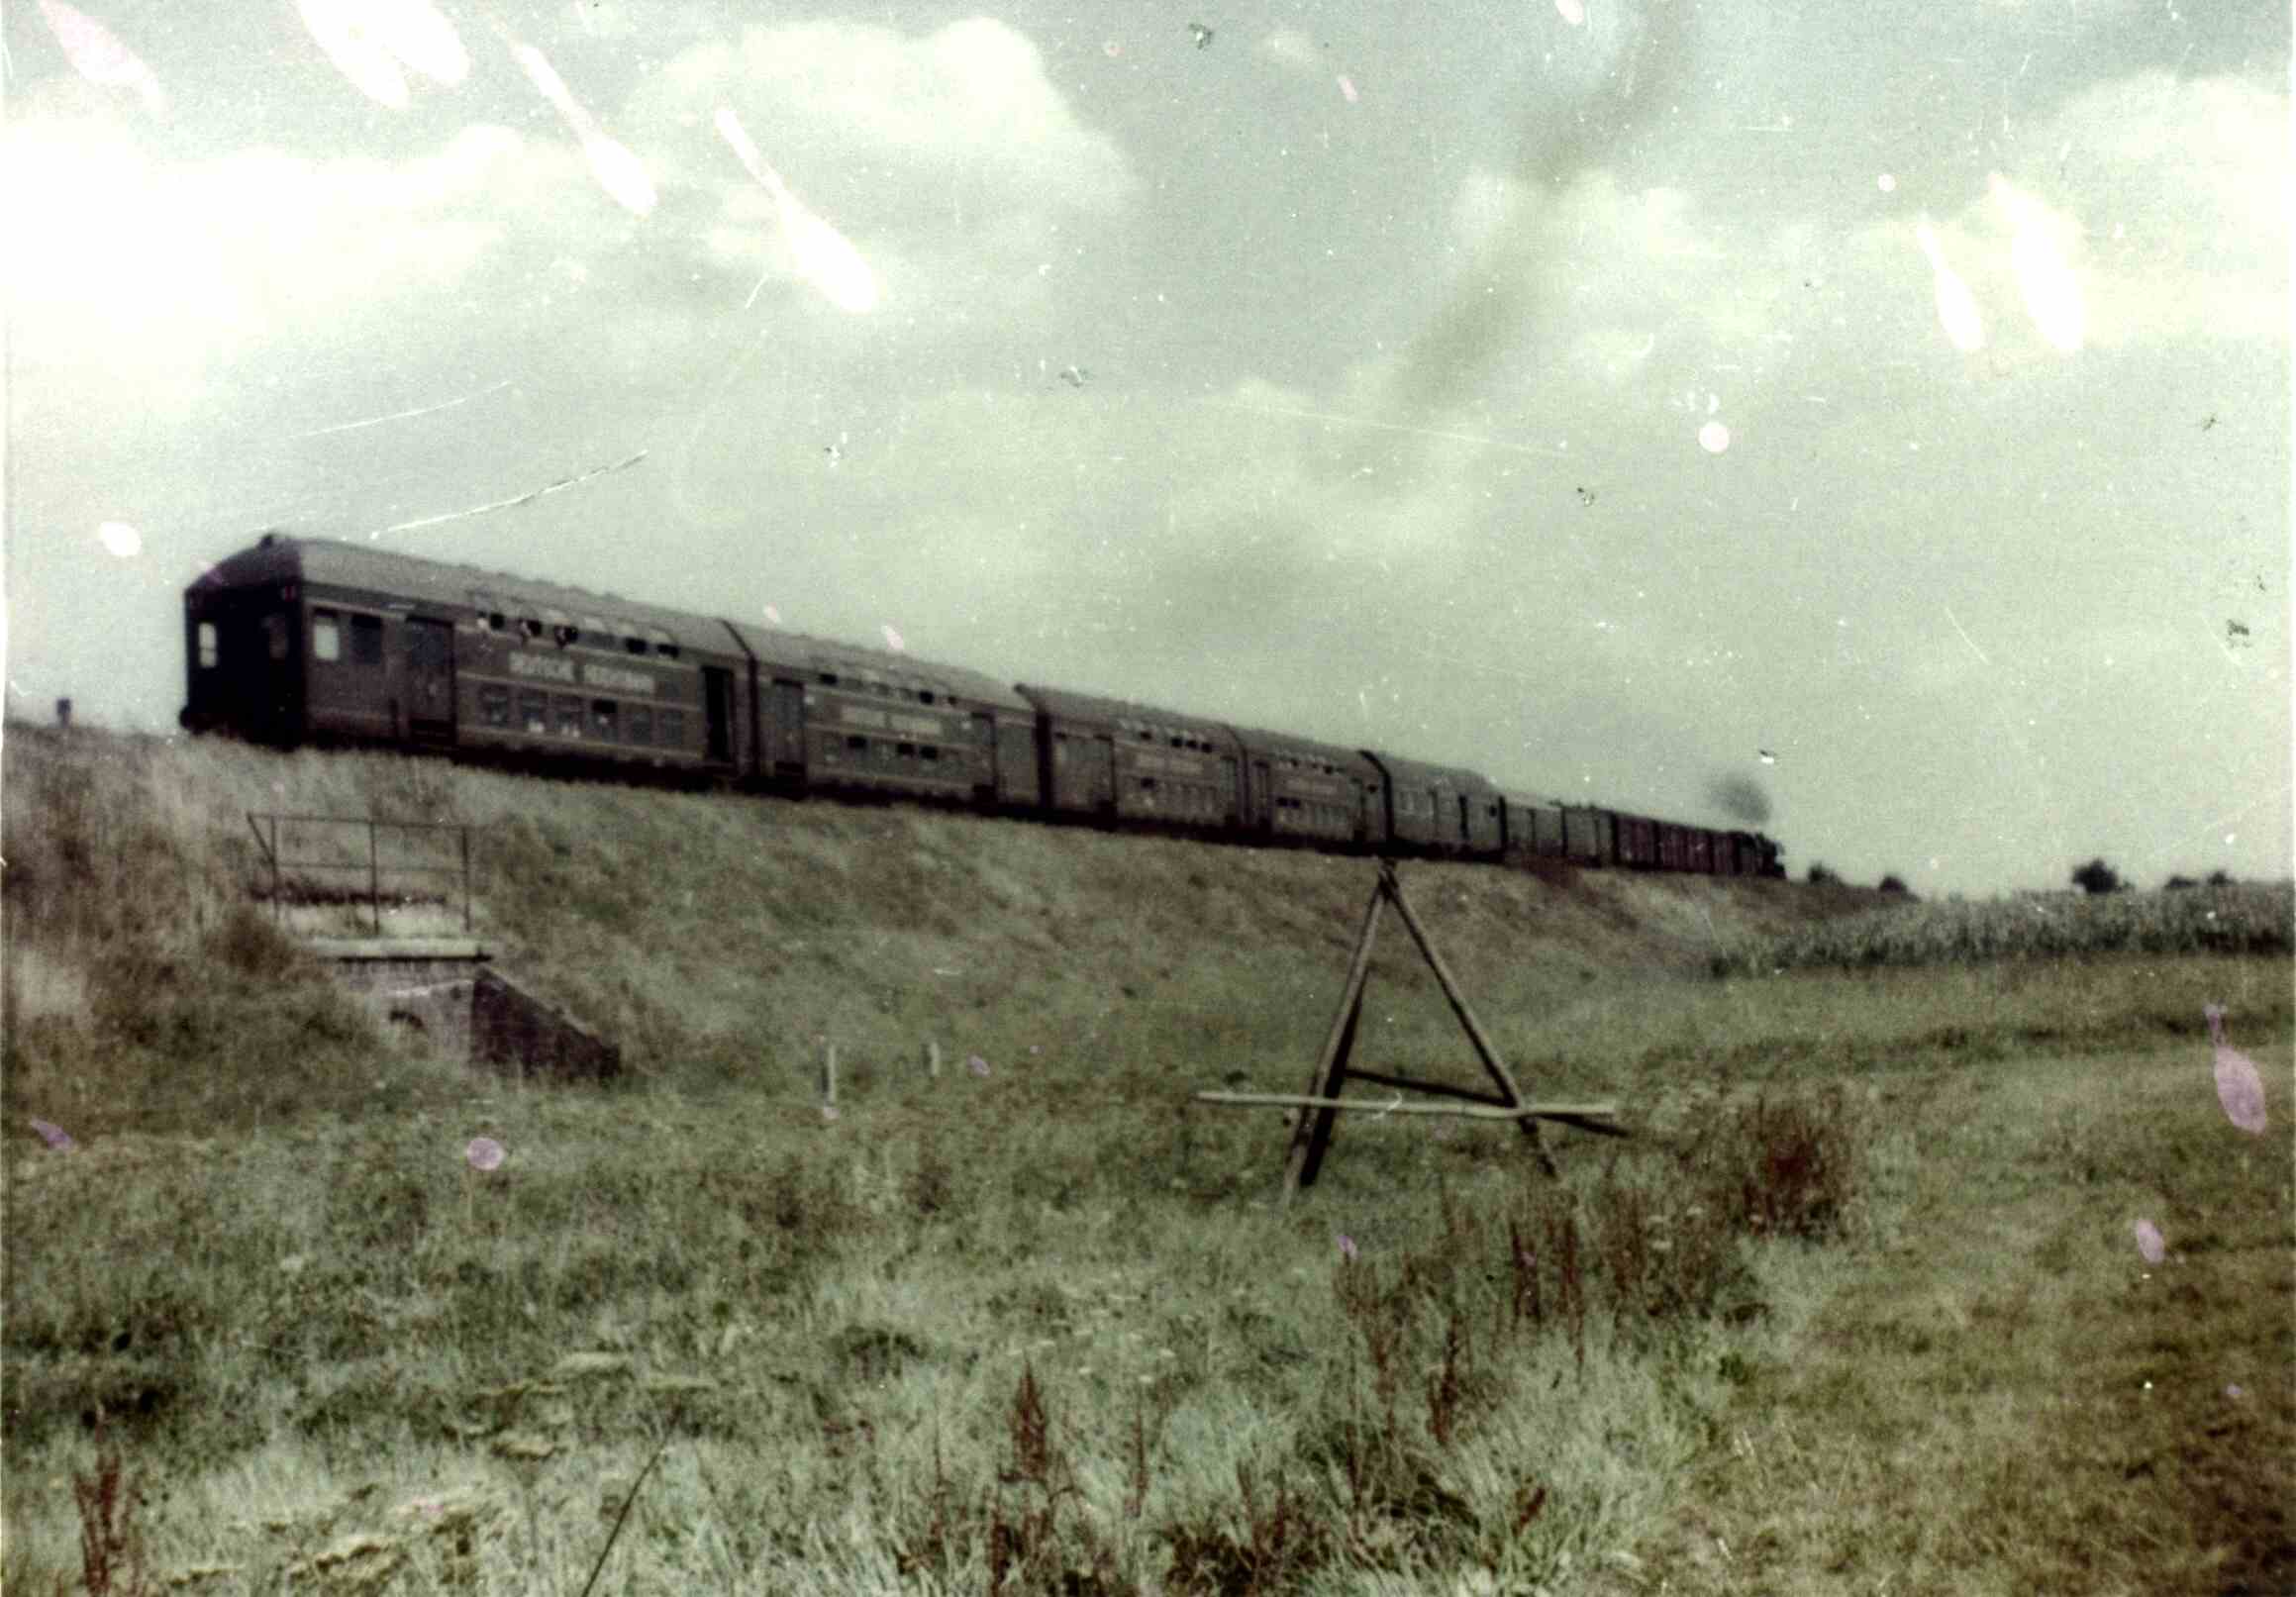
x,y
275,635
325,636
366,640
208,648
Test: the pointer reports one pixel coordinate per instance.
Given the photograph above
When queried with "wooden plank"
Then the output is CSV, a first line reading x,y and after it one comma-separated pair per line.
x,y
1313,1134
1574,1113
1394,888
1434,1089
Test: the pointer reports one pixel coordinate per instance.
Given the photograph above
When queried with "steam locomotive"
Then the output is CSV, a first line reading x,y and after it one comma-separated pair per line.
x,y
314,641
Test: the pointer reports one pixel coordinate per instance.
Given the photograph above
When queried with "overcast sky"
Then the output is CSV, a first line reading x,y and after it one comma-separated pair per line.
x,y
1602,396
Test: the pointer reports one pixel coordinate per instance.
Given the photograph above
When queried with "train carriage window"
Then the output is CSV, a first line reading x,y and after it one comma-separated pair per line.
x,y
632,645
325,636
829,679
534,712
494,704
209,651
564,634
275,635
925,695
569,715
856,740
603,720
663,647
641,723
496,621
366,640
529,627
907,751
927,751
674,728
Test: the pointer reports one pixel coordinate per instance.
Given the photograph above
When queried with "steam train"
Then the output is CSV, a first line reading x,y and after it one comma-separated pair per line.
x,y
314,641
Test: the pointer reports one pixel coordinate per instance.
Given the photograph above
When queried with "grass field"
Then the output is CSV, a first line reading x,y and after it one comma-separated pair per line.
x,y
1859,1308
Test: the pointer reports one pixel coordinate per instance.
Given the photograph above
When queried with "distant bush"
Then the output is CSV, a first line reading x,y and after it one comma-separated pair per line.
x,y
2177,884
2240,920
2097,877
2220,878
1822,872
1893,883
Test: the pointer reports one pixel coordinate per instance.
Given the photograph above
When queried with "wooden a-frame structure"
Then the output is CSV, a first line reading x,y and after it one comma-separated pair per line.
x,y
1312,1135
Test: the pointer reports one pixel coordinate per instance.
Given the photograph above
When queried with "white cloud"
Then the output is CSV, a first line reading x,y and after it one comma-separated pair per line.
x,y
2179,191
154,270
970,101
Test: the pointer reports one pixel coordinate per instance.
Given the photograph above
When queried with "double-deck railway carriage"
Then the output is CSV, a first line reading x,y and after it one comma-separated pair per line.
x,y
313,639
1439,807
833,716
1114,759
1302,792
310,640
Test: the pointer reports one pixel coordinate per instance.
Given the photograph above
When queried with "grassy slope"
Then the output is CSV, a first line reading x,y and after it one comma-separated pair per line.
x,y
318,1329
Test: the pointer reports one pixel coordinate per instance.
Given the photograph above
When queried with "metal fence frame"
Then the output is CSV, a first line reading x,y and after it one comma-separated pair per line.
x,y
269,844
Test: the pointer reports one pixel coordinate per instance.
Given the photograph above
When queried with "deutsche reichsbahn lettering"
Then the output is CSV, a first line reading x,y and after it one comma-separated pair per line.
x,y
546,666
615,677
920,726
556,669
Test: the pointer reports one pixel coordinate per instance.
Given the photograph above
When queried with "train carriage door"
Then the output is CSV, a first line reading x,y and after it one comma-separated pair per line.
x,y
718,706
984,738
1103,769
430,680
1233,813
784,729
1263,806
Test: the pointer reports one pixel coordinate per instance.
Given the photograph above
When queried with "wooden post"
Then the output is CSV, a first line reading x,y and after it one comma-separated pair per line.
x,y
373,878
1313,1133
932,1059
1394,888
828,1076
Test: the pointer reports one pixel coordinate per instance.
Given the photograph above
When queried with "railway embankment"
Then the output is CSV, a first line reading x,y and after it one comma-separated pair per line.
x,y
720,939
295,1301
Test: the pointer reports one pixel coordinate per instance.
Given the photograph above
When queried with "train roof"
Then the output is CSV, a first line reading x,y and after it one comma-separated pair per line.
x,y
1424,774
1275,744
330,562
816,658
443,582
1123,714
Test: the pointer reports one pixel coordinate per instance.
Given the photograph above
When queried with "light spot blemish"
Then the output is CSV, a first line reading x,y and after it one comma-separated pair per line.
x,y
96,53
1713,438
618,170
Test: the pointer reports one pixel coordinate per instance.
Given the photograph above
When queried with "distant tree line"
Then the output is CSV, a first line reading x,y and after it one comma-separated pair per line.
x,y
2099,878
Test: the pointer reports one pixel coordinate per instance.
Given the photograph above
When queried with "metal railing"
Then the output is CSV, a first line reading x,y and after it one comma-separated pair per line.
x,y
375,865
